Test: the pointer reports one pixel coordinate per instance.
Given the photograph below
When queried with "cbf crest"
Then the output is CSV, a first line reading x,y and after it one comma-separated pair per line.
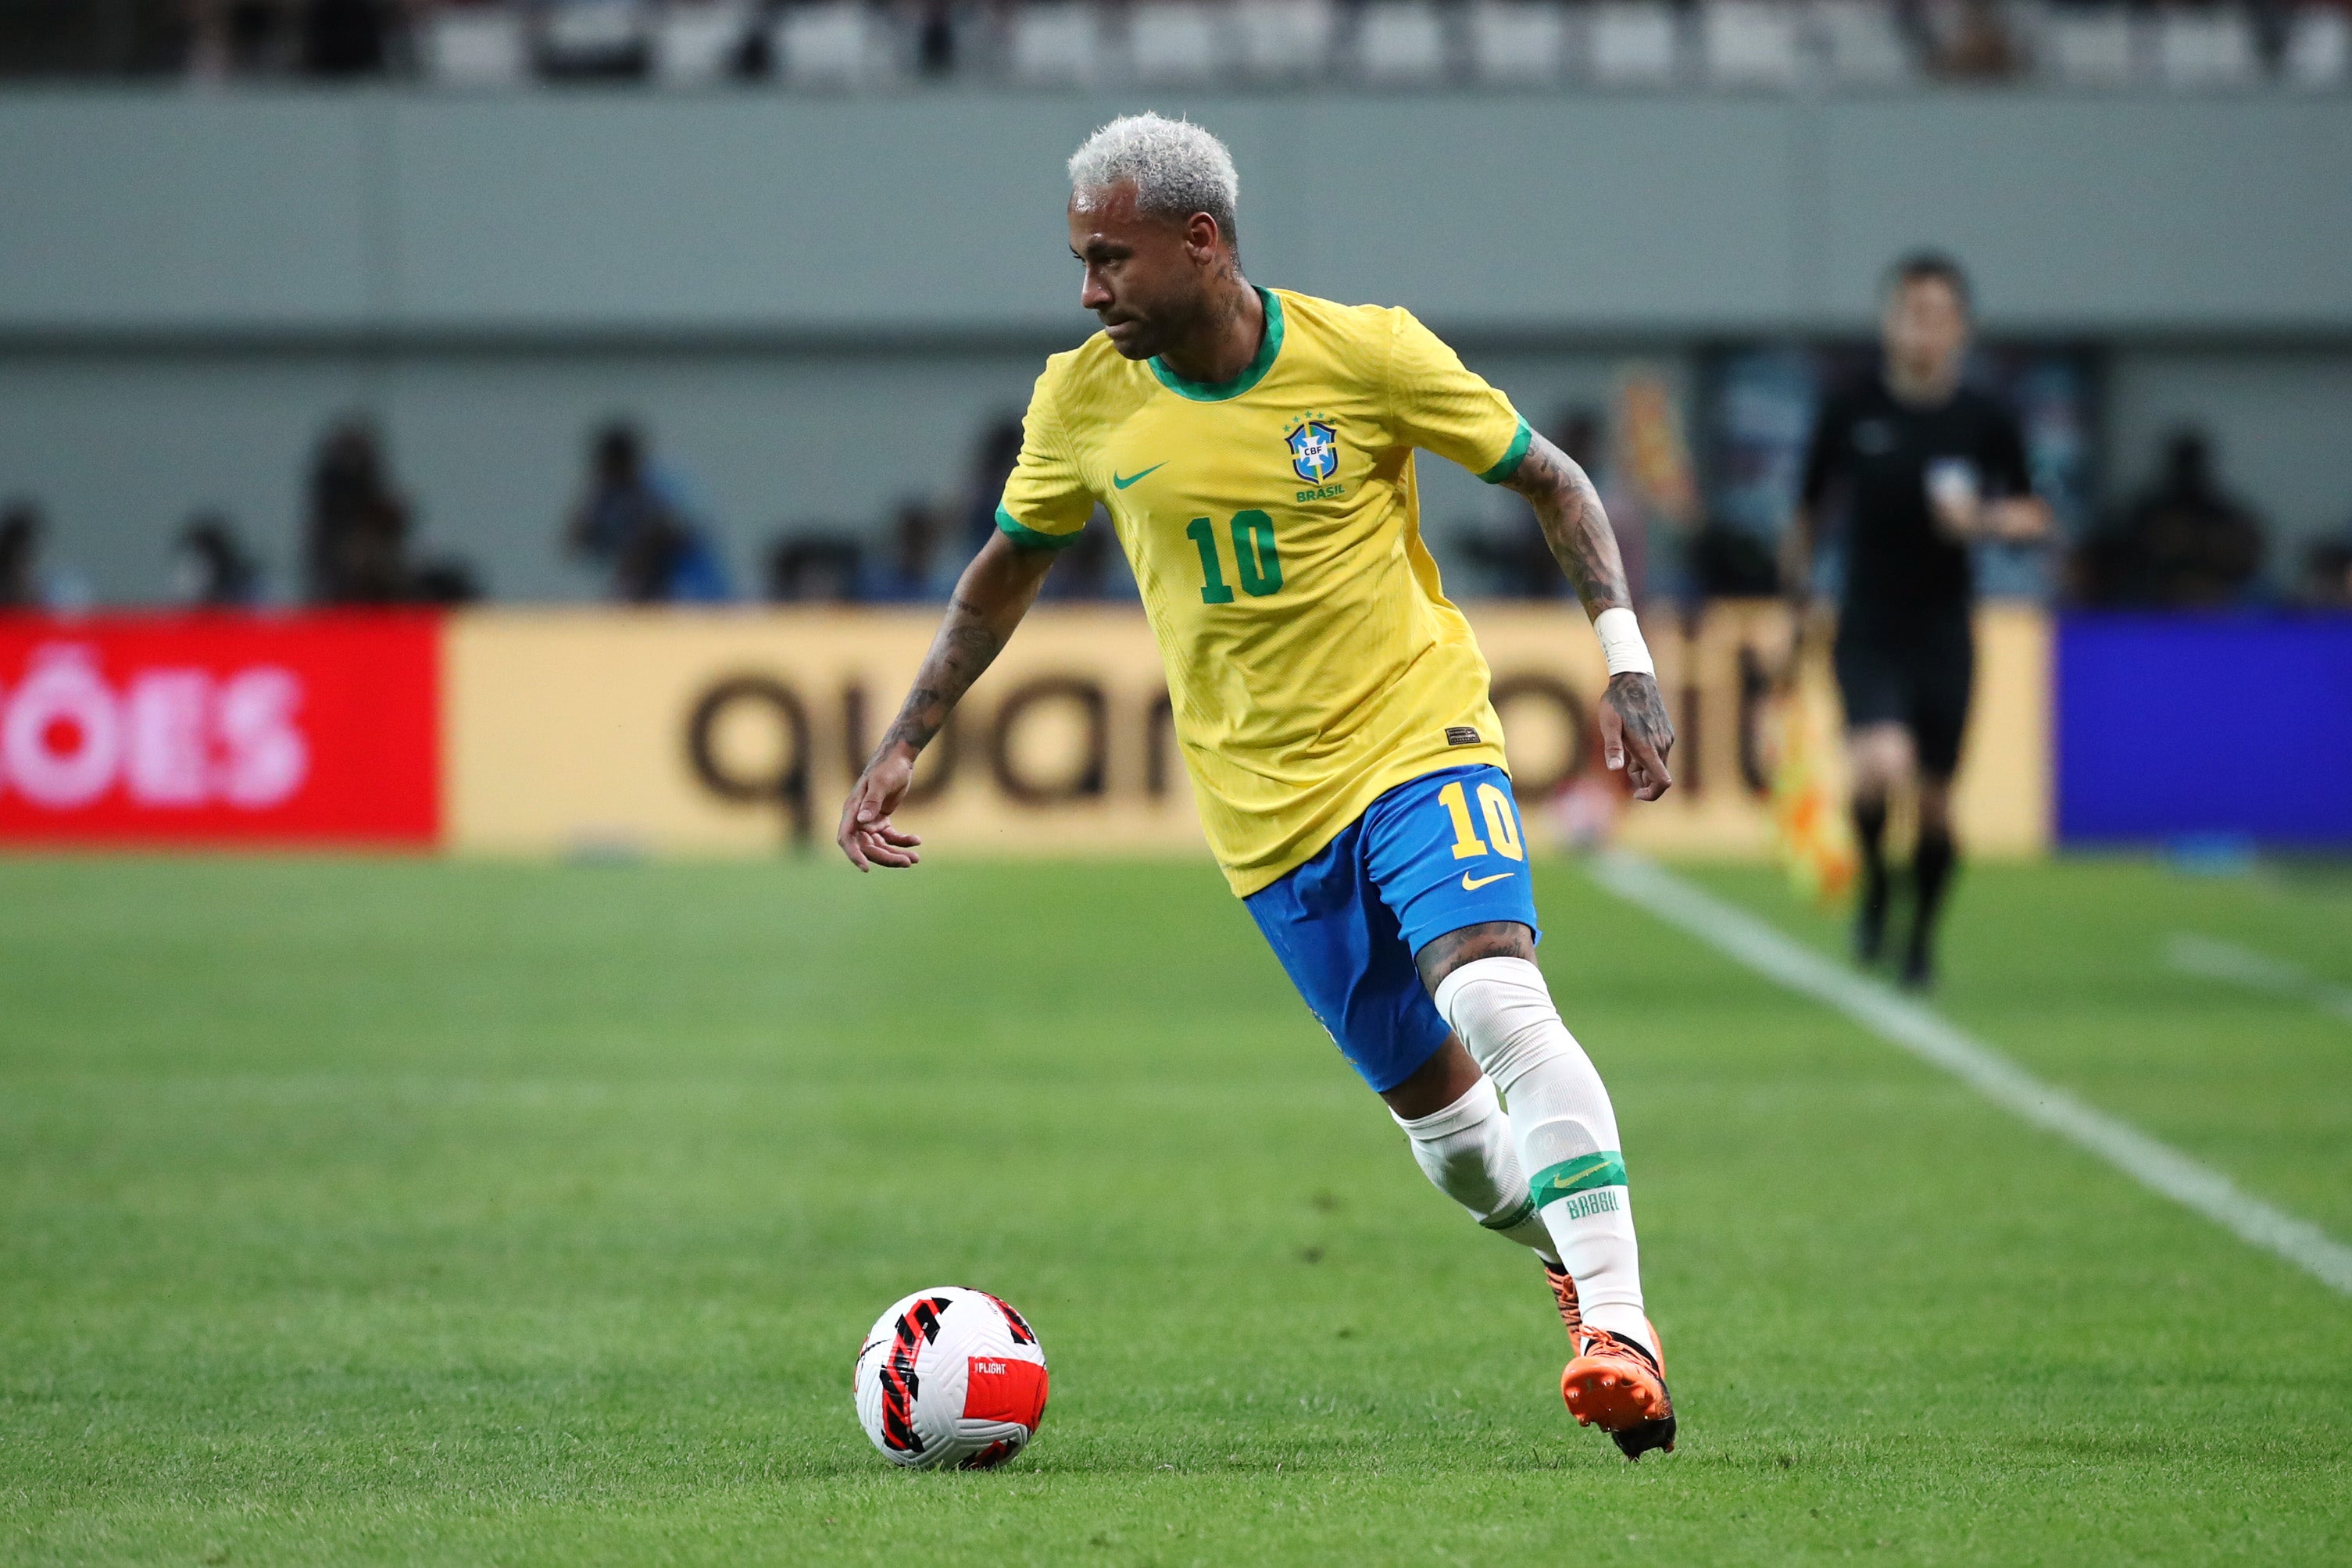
x,y
1314,449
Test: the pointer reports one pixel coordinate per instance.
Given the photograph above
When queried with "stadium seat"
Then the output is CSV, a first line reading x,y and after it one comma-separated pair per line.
x,y
1516,44
1632,43
1751,43
2097,47
1859,43
1179,44
1285,39
593,38
830,47
1054,45
695,44
1399,43
2207,48
2318,52
484,46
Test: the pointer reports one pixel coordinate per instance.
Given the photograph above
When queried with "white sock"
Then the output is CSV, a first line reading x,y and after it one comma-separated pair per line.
x,y
1467,1151
1566,1130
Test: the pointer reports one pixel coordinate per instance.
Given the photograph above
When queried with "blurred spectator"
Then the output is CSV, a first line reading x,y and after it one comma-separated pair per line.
x,y
344,37
444,581
1082,572
935,38
213,570
2327,574
358,541
27,581
239,38
992,464
813,568
635,519
2183,543
1971,41
1514,553
1727,561
20,556
910,575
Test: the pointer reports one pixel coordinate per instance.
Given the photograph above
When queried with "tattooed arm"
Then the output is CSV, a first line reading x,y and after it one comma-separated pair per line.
x,y
1634,734
994,593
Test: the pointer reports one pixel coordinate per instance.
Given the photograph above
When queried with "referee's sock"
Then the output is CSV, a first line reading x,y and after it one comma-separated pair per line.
x,y
1870,916
1932,862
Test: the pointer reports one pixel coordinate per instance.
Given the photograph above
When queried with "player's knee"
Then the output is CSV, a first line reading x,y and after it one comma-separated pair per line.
x,y
1442,956
1465,1152
1503,1011
1934,805
1882,760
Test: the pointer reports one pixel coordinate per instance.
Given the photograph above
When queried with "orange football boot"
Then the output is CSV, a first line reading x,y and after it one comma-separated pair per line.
x,y
1563,1290
1616,1385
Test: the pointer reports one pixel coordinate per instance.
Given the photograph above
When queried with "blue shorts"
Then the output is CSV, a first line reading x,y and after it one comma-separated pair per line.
x,y
1428,857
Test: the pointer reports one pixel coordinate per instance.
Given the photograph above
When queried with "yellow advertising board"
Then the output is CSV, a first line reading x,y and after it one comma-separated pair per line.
x,y
738,732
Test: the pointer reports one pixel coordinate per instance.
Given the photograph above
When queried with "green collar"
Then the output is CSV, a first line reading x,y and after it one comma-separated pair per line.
x,y
1218,391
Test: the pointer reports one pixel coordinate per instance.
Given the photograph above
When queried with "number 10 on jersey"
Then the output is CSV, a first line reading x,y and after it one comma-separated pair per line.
x,y
1253,552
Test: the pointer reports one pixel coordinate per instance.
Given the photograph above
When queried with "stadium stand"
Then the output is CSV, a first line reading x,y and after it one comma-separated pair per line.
x,y
1400,42
1740,45
1056,46
475,47
1633,43
696,44
1286,40
1179,44
830,47
1513,43
1751,43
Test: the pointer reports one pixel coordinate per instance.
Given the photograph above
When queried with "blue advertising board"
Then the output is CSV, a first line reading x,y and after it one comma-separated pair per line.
x,y
2171,726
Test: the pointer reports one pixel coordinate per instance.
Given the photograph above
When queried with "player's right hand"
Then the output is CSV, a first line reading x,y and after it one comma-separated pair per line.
x,y
1635,735
866,834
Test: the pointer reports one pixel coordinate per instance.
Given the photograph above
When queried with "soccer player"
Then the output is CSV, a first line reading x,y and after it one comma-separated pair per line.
x,y
1255,448
1929,466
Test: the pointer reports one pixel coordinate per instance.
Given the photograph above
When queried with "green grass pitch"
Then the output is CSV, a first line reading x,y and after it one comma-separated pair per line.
x,y
417,1212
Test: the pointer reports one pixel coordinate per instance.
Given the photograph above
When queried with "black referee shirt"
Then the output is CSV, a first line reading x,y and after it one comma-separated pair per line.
x,y
1901,569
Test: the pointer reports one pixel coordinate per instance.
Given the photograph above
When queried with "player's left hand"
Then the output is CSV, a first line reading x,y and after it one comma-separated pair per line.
x,y
866,834
1634,734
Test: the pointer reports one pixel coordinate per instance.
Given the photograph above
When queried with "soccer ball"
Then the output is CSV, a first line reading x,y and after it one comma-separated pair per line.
x,y
948,1377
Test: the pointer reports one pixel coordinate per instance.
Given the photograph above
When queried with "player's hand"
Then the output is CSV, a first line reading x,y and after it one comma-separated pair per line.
x,y
1634,734
866,834
1959,518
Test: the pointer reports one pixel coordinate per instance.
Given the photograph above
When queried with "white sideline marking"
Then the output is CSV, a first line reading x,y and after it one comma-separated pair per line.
x,y
2210,959
1931,1038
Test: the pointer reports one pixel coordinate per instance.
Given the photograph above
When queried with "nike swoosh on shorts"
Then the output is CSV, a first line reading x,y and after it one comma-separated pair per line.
x,y
1470,886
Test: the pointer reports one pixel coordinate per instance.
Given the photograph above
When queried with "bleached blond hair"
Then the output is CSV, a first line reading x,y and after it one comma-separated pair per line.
x,y
1178,168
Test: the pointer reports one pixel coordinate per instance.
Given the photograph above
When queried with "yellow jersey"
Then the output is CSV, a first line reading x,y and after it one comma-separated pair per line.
x,y
1313,660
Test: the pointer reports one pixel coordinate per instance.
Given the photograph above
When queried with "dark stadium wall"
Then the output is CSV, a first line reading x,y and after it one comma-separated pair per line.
x,y
814,303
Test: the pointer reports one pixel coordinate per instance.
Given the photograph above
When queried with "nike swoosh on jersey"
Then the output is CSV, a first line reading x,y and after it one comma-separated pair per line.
x,y
1119,484
1469,885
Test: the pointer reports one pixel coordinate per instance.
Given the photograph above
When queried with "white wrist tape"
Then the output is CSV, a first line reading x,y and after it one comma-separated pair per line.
x,y
1620,643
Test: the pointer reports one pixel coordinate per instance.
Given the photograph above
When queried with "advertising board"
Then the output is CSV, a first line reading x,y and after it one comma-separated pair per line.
x,y
216,729
729,732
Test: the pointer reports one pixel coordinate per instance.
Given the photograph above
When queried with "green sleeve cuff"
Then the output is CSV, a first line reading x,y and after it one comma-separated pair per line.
x,y
1514,455
1025,538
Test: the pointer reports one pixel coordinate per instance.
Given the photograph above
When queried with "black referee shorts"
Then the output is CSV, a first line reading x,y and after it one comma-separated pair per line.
x,y
1918,678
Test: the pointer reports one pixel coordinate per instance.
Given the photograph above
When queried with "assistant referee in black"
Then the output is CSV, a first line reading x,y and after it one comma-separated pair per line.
x,y
1920,467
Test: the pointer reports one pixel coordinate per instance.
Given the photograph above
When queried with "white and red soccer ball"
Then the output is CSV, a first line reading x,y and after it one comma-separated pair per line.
x,y
950,1377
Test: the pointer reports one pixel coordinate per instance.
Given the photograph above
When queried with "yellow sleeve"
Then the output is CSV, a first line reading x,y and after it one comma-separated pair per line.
x,y
1439,406
1046,502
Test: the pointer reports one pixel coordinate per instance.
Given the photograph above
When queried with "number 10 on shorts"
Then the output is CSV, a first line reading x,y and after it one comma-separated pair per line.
x,y
1502,823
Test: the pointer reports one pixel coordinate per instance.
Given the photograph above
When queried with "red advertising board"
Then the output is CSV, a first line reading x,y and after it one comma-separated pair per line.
x,y
221,729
